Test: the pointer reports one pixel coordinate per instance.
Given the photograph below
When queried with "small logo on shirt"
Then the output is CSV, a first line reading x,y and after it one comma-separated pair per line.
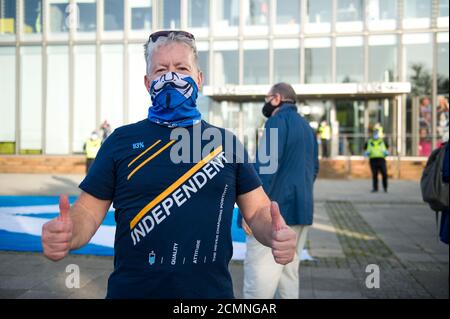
x,y
151,258
138,145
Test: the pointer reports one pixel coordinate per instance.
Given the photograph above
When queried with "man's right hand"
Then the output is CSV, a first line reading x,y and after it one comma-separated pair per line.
x,y
57,233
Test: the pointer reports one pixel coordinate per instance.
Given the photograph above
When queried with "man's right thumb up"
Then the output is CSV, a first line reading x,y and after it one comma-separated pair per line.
x,y
278,222
64,207
57,233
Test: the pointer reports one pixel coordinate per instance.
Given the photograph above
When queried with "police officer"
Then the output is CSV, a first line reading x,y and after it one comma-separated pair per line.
x,y
324,133
91,147
377,150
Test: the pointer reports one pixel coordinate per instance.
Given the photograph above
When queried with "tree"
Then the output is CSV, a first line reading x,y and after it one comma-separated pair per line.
x,y
442,84
421,80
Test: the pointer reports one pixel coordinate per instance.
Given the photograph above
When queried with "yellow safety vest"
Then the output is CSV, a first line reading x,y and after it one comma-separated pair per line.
x,y
92,148
325,132
376,148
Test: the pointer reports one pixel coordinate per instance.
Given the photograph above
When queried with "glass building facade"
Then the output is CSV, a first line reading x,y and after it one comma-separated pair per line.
x,y
68,65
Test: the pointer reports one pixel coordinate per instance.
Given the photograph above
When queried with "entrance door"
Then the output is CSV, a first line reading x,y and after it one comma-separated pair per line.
x,y
381,112
350,116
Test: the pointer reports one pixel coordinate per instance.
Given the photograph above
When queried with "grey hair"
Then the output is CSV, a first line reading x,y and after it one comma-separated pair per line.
x,y
173,37
286,91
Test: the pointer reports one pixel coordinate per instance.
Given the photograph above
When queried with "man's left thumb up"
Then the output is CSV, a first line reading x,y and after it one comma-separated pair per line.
x,y
277,220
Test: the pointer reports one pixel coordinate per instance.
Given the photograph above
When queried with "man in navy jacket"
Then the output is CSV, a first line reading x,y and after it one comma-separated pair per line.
x,y
290,184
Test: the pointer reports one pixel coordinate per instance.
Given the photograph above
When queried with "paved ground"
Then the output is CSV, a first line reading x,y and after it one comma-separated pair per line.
x,y
352,229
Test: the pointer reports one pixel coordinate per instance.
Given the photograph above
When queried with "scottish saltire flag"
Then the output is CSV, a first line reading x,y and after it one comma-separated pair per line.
x,y
22,217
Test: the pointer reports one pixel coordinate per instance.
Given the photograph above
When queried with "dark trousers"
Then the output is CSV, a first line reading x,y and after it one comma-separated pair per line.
x,y
378,165
89,162
325,148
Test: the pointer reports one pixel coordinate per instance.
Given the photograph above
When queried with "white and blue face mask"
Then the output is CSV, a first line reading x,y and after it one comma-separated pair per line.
x,y
174,100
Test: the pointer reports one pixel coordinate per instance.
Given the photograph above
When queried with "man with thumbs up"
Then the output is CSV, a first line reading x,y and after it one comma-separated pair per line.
x,y
291,185
173,220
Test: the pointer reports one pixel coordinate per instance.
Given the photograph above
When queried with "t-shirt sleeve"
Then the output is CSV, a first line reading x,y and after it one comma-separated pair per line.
x,y
100,180
246,178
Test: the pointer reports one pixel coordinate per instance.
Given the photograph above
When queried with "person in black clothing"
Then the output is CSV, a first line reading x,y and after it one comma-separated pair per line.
x,y
377,150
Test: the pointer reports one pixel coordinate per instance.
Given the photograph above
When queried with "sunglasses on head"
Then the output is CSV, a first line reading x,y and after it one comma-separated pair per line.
x,y
165,33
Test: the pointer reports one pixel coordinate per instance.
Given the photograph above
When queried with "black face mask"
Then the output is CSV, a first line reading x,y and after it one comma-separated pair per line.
x,y
268,109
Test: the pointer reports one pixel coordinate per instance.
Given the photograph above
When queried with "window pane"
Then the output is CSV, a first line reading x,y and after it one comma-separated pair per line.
x,y
57,112
288,12
253,119
139,98
226,67
227,15
442,68
198,13
382,14
314,111
112,85
113,15
418,66
443,86
171,14
59,16
318,16
349,61
204,105
31,100
141,15
349,10
87,11
383,63
203,61
32,16
417,8
8,16
442,119
286,65
225,114
350,116
317,65
257,12
317,60
256,64
8,105
382,9
319,11
84,95
443,8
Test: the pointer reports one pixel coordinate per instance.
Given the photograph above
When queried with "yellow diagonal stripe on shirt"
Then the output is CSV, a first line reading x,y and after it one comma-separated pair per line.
x,y
174,186
150,158
144,152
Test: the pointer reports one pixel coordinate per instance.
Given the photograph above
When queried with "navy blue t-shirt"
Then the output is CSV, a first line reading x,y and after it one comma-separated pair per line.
x,y
173,234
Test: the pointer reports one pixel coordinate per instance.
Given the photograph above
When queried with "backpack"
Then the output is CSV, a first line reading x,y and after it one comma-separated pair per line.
x,y
434,190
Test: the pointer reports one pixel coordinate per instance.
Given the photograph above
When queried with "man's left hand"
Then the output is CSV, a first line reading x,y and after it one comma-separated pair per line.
x,y
284,239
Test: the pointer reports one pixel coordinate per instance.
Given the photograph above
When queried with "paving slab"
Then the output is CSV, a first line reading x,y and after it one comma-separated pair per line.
x,y
352,229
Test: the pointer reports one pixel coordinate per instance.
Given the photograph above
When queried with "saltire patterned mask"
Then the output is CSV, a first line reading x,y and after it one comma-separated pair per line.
x,y
174,101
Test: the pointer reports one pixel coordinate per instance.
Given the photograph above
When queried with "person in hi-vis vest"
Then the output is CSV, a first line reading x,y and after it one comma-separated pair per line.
x,y
91,147
376,149
324,133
